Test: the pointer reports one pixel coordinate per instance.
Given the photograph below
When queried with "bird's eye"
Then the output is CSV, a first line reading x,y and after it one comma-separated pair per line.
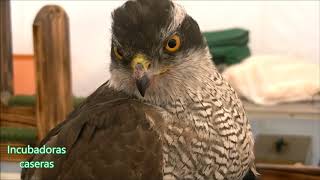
x,y
118,52
173,43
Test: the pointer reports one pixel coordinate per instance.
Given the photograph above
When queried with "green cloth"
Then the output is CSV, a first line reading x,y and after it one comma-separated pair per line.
x,y
228,37
22,135
24,100
228,46
229,54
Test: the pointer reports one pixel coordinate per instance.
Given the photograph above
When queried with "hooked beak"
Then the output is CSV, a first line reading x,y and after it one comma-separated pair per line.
x,y
140,67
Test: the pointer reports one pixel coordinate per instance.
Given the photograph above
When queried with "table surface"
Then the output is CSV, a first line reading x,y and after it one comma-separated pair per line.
x,y
299,110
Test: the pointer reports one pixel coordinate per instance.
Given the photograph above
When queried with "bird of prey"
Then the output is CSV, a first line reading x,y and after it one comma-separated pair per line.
x,y
165,113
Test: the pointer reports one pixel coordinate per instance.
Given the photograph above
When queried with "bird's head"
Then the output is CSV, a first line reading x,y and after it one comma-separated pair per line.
x,y
156,48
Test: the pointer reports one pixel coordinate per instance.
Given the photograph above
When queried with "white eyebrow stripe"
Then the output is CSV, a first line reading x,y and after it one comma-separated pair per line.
x,y
115,40
178,14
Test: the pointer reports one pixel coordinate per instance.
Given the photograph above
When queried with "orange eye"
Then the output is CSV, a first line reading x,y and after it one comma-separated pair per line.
x,y
173,43
118,52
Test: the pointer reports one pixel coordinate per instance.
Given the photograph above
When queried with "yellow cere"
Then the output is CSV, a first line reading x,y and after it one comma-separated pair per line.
x,y
140,59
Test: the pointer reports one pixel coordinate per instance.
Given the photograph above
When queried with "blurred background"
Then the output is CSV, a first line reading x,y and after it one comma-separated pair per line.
x,y
276,27
268,50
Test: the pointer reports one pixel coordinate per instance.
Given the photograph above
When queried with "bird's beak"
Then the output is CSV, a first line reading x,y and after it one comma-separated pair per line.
x,y
140,66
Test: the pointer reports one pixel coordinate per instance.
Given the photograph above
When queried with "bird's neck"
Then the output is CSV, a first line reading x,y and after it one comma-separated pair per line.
x,y
197,75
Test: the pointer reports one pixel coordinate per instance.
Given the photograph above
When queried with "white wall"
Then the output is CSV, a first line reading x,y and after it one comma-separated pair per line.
x,y
276,27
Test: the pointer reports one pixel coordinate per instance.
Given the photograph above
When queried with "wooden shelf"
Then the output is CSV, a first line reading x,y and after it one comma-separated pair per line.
x,y
4,156
18,116
297,110
279,172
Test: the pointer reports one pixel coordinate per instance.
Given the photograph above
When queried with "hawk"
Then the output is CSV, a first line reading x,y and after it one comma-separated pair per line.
x,y
165,113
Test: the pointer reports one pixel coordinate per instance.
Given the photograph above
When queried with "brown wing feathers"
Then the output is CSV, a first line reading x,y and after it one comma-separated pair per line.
x,y
110,138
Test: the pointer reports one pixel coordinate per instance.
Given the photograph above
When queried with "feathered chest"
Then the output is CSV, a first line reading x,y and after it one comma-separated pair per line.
x,y
201,135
